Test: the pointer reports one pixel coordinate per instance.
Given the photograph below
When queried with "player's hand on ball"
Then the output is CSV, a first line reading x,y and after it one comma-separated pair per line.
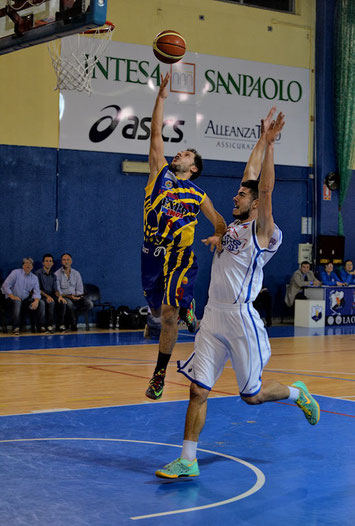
x,y
214,242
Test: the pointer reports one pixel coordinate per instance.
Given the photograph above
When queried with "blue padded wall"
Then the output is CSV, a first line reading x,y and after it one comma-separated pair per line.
x,y
99,216
27,211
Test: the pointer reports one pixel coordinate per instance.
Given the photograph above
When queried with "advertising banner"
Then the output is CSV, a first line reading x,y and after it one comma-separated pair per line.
x,y
340,306
214,105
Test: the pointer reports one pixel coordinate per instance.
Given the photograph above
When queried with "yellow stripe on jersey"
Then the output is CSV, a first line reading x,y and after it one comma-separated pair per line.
x,y
171,276
182,275
197,200
152,183
187,232
191,191
171,207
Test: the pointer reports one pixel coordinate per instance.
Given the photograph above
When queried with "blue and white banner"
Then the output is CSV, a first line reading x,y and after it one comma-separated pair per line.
x,y
215,105
340,305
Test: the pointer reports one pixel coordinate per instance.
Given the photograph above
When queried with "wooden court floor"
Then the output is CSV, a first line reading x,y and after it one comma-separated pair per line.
x,y
35,380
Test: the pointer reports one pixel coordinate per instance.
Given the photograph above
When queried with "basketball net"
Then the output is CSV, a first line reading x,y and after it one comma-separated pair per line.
x,y
75,57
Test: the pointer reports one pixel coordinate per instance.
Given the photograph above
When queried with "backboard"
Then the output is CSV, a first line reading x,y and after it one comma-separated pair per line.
x,y
25,23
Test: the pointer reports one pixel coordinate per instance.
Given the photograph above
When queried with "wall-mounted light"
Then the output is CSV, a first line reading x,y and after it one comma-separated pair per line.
x,y
136,167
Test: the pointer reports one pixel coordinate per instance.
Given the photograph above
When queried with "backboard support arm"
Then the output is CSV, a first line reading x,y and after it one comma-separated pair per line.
x,y
67,18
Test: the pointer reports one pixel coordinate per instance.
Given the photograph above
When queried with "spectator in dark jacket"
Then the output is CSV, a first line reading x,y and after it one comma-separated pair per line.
x,y
51,297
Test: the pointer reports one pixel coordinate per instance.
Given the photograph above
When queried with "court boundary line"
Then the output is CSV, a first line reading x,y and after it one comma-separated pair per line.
x,y
260,481
313,375
260,477
148,378
310,371
141,363
155,403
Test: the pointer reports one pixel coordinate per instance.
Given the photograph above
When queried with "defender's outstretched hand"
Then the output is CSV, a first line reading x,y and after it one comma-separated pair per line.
x,y
265,123
275,128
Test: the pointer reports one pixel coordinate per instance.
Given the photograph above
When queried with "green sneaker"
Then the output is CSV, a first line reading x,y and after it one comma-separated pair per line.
x,y
179,468
307,403
189,317
156,385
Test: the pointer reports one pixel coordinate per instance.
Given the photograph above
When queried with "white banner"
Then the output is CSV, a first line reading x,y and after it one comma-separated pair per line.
x,y
215,105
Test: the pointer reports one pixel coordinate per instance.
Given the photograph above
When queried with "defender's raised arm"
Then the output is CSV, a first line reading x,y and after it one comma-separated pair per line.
x,y
253,167
265,221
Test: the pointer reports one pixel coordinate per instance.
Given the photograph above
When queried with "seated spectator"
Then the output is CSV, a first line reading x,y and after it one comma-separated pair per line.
x,y
21,289
347,274
263,304
51,297
301,278
70,286
329,277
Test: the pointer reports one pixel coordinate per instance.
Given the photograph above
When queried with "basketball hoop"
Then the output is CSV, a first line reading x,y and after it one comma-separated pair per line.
x,y
74,57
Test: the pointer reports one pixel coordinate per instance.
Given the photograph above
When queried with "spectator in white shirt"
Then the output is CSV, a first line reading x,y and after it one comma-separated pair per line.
x,y
71,287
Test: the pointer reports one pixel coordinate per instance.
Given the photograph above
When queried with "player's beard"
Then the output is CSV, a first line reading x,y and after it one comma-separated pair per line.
x,y
174,168
177,169
243,216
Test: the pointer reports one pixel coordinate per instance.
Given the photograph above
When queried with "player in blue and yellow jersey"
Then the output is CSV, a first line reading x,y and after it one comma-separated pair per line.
x,y
172,203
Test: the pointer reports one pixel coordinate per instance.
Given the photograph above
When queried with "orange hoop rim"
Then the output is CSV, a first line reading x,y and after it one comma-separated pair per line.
x,y
109,26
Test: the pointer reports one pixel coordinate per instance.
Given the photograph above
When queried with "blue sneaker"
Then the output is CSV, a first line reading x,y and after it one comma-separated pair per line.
x,y
179,468
307,403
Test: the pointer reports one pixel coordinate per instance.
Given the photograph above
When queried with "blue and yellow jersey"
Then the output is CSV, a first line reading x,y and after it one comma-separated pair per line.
x,y
171,206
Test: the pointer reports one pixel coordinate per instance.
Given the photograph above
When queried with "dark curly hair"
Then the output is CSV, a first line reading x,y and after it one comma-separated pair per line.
x,y
253,185
198,163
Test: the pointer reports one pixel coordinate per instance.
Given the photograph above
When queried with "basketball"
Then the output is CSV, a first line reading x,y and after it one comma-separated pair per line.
x,y
169,46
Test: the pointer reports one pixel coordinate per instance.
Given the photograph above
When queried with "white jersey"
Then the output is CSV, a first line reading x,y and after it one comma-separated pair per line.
x,y
237,272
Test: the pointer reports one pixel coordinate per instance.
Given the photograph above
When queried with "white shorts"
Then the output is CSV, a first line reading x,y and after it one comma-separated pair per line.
x,y
234,332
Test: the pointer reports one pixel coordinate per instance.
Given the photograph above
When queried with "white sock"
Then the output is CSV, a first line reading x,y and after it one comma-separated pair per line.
x,y
189,450
156,319
294,393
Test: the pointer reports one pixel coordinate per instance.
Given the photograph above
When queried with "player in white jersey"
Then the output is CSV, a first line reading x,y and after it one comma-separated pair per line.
x,y
231,328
